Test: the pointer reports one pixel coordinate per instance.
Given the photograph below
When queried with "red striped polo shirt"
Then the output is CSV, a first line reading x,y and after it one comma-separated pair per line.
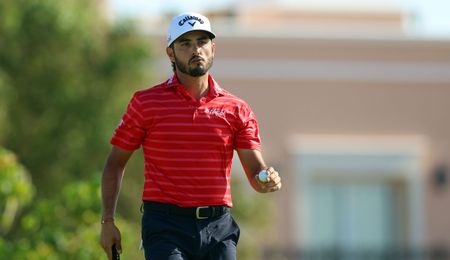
x,y
188,144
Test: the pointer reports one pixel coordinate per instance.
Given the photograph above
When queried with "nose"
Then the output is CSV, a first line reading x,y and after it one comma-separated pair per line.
x,y
196,50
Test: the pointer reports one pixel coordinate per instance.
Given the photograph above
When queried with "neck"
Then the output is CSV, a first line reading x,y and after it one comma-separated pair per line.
x,y
197,87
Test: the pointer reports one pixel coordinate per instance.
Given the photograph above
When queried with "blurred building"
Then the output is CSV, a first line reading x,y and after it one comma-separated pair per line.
x,y
353,110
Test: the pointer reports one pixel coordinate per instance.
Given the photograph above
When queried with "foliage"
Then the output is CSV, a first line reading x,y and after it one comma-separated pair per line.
x,y
16,190
66,71
65,78
4,92
63,227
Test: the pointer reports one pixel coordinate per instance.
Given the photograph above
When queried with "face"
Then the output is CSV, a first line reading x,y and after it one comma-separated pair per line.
x,y
192,53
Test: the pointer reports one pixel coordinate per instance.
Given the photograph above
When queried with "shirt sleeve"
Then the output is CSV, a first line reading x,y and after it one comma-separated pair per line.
x,y
247,136
130,132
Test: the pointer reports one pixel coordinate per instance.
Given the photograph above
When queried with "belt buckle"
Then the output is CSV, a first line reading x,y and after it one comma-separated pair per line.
x,y
197,212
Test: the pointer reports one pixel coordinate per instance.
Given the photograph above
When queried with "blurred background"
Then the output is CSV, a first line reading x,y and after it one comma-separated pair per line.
x,y
352,98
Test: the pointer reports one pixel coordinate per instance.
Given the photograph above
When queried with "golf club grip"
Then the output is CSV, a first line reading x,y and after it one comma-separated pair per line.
x,y
115,254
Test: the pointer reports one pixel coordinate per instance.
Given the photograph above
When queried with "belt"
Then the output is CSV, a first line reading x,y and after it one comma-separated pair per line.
x,y
203,212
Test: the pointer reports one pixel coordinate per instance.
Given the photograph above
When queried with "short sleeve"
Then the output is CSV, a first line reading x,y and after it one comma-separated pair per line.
x,y
247,136
130,132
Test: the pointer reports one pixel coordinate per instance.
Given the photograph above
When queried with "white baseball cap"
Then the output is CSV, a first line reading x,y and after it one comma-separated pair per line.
x,y
187,22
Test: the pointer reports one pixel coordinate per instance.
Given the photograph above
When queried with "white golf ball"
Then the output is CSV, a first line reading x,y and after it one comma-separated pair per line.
x,y
263,176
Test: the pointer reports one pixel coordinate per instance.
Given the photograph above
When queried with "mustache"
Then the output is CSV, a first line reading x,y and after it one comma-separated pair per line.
x,y
196,57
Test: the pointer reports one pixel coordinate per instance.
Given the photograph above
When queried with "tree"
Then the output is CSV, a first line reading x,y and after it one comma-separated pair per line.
x,y
62,227
66,71
16,190
65,78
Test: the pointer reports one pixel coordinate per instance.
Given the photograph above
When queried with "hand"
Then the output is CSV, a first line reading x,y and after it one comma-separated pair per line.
x,y
273,181
109,236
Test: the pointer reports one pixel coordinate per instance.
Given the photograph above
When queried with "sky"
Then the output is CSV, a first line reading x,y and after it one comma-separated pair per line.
x,y
433,16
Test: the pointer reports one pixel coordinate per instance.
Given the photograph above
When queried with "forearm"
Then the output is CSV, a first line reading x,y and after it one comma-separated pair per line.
x,y
111,182
252,162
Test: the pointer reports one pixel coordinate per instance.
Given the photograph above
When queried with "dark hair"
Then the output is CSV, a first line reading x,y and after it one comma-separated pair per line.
x,y
174,66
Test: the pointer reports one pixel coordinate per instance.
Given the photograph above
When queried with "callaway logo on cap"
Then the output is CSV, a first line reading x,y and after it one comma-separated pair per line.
x,y
187,22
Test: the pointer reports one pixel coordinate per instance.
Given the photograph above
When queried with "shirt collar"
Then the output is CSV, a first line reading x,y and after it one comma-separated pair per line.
x,y
214,88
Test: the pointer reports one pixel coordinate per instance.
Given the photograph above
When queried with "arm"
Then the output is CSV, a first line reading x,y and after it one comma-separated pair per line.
x,y
111,180
253,162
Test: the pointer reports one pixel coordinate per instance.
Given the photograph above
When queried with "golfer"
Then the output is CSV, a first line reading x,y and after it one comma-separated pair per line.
x,y
188,128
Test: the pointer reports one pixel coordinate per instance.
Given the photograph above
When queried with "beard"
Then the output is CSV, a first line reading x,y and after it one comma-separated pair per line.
x,y
196,71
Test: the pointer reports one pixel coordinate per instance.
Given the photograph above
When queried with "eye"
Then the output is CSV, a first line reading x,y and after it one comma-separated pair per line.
x,y
202,42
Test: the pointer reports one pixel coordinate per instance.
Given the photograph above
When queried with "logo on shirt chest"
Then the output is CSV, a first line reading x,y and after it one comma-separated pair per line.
x,y
215,111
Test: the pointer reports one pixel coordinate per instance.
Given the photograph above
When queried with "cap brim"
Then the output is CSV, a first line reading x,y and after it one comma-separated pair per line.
x,y
211,35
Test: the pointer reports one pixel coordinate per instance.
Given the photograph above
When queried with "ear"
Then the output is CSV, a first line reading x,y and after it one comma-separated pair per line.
x,y
170,54
213,48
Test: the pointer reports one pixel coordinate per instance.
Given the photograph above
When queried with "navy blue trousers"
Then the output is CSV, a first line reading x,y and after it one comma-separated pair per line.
x,y
179,237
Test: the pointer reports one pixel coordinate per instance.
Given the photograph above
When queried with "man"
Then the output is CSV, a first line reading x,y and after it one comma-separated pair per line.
x,y
188,127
